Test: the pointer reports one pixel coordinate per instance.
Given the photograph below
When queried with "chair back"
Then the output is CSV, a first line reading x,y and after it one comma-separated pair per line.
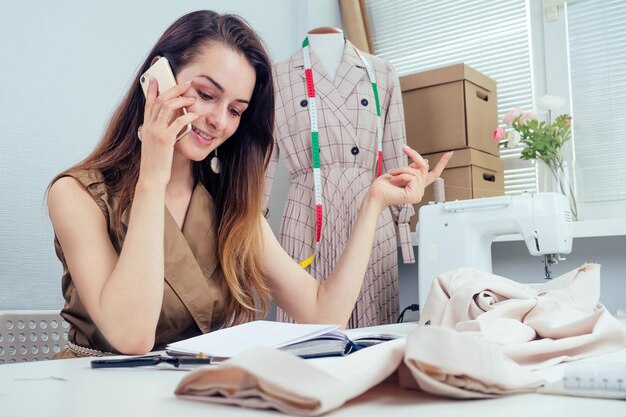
x,y
31,335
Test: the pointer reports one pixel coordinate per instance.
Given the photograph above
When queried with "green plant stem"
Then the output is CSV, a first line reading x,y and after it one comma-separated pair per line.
x,y
555,167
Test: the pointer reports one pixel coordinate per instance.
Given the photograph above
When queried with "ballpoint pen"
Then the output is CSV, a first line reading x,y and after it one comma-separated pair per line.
x,y
150,360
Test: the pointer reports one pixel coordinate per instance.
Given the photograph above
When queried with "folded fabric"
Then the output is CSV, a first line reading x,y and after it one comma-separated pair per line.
x,y
480,336
556,322
271,379
457,365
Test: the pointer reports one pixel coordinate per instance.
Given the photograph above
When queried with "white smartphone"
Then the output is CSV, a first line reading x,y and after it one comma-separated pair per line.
x,y
162,72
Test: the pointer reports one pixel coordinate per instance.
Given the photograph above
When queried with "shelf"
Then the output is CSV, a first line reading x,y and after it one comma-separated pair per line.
x,y
582,229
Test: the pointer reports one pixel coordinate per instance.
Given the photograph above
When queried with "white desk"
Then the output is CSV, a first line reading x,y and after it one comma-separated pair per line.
x,y
71,388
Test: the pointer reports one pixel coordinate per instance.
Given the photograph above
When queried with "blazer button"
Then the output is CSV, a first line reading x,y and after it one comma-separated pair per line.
x,y
304,103
364,102
355,151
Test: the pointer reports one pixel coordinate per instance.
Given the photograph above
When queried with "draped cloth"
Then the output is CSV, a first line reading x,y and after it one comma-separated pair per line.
x,y
486,336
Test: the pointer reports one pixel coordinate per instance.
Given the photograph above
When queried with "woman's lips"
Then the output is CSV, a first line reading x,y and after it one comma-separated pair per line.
x,y
202,137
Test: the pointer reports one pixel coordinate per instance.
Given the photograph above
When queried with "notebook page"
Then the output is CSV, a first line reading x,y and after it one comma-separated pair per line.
x,y
233,340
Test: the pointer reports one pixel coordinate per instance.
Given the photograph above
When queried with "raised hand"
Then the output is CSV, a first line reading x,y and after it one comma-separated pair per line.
x,y
406,185
161,125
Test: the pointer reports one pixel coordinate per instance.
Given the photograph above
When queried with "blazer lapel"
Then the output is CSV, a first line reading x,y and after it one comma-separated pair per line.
x,y
350,72
326,91
200,229
190,257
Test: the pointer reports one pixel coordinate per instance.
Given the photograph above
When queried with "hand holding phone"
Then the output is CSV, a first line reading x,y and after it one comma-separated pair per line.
x,y
164,76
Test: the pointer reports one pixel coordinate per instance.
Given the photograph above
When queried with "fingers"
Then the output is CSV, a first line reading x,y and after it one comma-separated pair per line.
x,y
438,169
172,108
408,183
153,92
164,97
179,123
415,157
402,179
405,170
175,91
420,163
162,111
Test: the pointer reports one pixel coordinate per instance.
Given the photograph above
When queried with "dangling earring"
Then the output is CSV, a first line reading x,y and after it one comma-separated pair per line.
x,y
216,164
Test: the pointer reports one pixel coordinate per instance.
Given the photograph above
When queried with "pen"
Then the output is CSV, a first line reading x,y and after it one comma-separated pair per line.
x,y
150,360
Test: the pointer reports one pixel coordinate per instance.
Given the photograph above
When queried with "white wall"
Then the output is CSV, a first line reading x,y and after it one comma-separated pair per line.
x,y
64,66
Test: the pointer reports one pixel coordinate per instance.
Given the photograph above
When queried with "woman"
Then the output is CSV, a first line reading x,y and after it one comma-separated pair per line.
x,y
143,207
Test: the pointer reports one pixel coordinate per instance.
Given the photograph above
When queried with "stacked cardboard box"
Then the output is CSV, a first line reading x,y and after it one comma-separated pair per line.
x,y
455,108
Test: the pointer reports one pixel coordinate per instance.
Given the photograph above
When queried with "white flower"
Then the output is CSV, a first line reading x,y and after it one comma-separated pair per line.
x,y
551,103
513,138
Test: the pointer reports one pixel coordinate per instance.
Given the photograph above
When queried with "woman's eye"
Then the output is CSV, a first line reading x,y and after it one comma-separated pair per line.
x,y
235,113
204,96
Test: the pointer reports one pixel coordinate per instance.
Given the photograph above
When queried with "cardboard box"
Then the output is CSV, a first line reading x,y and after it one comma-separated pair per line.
x,y
469,174
450,108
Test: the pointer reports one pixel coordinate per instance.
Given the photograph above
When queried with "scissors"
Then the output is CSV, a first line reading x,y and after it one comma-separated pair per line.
x,y
150,360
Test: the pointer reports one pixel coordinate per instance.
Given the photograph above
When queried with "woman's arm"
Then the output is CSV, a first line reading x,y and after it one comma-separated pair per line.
x,y
123,295
301,296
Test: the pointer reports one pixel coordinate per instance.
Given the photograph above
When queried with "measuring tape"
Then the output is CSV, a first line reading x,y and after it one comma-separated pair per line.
x,y
315,143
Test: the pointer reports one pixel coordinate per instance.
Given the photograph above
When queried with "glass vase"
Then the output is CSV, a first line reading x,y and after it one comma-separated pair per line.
x,y
563,177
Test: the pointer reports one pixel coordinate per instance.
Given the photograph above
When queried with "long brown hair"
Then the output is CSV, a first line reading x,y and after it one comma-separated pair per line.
x,y
237,191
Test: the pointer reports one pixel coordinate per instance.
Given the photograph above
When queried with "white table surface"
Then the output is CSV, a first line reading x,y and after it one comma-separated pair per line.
x,y
71,388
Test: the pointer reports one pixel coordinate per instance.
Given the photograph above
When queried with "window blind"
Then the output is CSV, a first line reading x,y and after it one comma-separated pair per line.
x,y
597,35
491,36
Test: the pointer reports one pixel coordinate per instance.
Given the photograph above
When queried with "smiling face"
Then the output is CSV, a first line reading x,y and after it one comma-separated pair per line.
x,y
222,81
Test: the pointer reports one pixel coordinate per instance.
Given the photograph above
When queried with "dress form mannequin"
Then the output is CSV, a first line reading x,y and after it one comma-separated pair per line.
x,y
347,126
328,44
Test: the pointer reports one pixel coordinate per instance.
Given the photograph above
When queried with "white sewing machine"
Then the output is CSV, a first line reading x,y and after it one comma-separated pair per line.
x,y
459,233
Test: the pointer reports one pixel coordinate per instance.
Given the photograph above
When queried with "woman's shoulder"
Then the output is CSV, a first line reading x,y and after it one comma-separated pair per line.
x,y
74,186
86,177
68,199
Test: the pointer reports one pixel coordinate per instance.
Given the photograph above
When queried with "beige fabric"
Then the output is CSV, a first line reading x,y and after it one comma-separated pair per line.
x,y
559,321
457,365
481,325
346,117
193,296
269,378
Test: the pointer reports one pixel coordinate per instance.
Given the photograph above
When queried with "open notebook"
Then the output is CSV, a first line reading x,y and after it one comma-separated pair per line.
x,y
305,340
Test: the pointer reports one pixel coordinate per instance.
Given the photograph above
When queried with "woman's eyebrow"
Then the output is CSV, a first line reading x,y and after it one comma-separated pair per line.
x,y
219,87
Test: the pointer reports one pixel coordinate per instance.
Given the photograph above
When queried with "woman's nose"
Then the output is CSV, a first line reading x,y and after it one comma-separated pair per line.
x,y
216,117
